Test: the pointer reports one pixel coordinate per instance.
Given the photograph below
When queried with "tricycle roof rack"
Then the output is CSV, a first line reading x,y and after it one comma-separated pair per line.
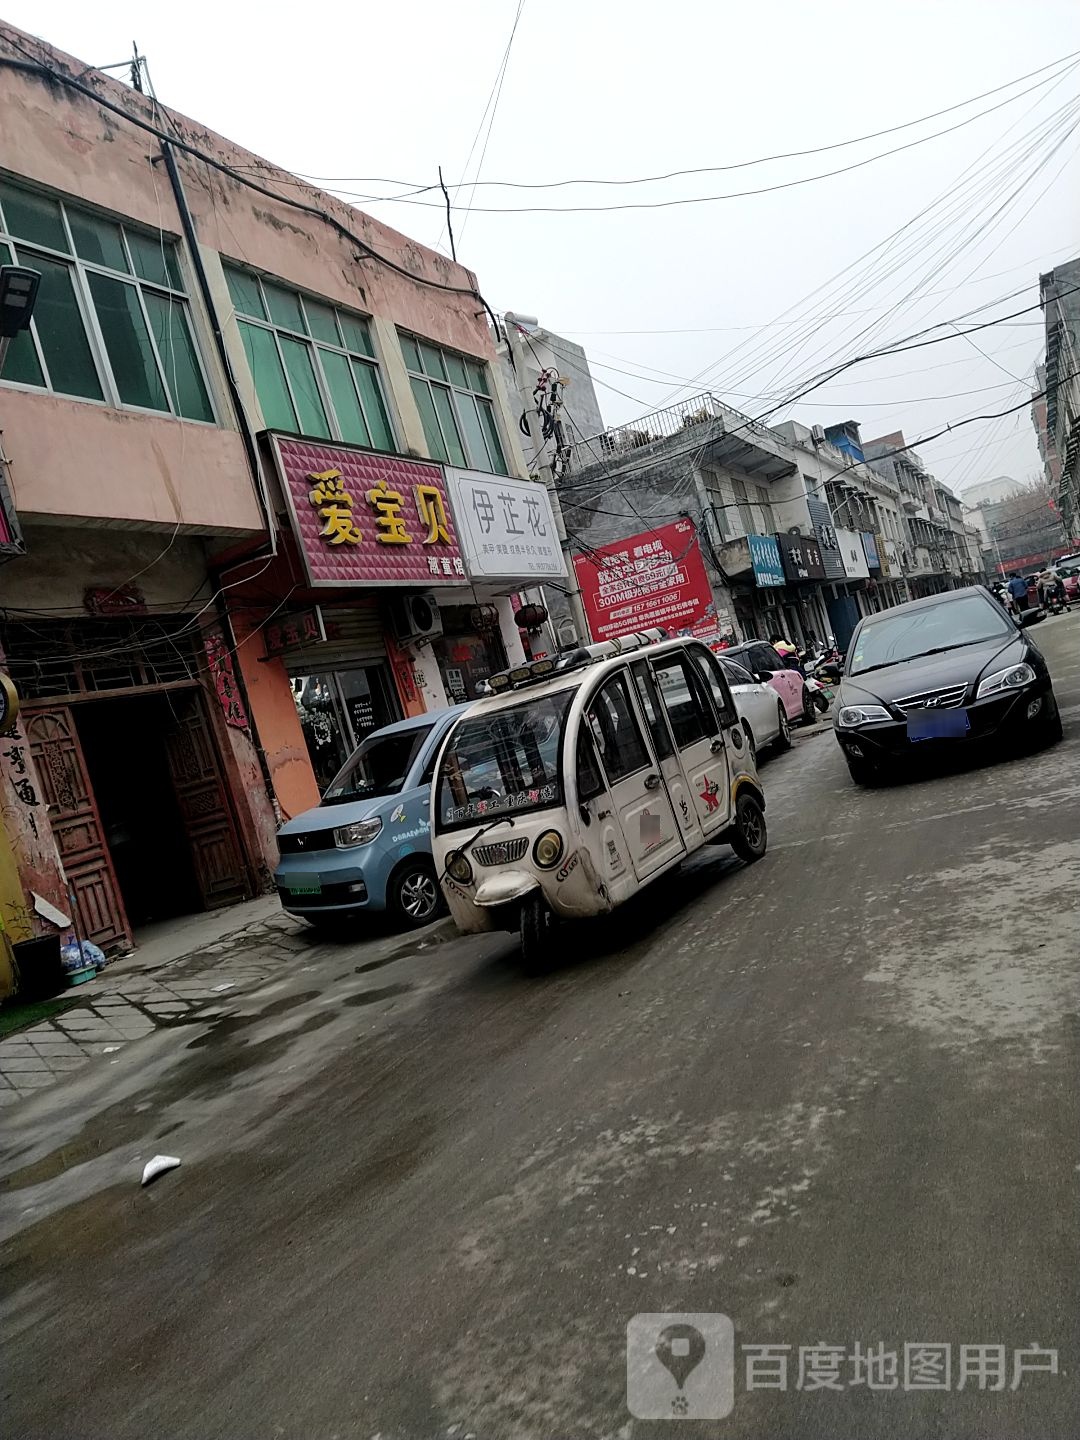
x,y
534,671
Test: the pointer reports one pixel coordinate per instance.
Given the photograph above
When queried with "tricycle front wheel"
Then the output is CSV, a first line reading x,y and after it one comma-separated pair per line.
x,y
538,926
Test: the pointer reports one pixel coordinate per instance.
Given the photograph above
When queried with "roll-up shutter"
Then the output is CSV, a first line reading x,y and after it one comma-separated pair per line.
x,y
354,635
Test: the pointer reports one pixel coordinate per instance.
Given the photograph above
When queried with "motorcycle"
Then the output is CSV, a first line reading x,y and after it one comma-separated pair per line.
x,y
820,694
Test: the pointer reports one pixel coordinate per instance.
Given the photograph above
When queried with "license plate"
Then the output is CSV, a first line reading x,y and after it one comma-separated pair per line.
x,y
315,889
938,725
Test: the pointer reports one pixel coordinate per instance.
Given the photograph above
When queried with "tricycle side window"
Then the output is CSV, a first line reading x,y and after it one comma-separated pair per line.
x,y
719,688
590,783
615,729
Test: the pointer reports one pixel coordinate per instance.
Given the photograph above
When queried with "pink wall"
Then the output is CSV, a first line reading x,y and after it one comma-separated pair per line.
x,y
72,459
58,138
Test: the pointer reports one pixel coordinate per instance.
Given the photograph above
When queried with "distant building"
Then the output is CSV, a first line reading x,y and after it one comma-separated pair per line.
x,y
1060,294
991,492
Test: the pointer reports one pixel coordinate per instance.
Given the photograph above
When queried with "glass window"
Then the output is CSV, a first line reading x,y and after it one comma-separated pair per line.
x,y
379,767
426,407
684,699
458,392
33,218
616,730
736,674
169,323
284,307
444,408
21,363
264,362
503,763
356,334
127,342
154,259
321,322
98,241
378,420
716,680
590,782
131,317
305,389
650,704
343,397
246,293
61,333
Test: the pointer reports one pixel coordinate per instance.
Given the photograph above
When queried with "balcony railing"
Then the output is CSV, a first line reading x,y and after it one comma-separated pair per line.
x,y
701,410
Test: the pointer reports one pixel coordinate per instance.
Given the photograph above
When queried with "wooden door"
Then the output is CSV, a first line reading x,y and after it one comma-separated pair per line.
x,y
76,826
200,791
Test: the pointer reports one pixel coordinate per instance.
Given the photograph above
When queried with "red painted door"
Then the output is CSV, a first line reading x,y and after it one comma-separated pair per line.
x,y
200,790
76,826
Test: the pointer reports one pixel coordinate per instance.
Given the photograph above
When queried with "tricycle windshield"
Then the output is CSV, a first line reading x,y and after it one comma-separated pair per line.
x,y
503,762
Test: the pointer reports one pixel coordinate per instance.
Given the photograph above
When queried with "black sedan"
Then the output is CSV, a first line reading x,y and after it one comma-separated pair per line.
x,y
936,674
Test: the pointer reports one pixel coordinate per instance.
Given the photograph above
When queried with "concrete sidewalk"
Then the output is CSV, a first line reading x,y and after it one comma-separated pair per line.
x,y
193,966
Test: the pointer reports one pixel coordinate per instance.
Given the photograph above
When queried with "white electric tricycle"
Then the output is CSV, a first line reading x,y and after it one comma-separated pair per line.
x,y
579,780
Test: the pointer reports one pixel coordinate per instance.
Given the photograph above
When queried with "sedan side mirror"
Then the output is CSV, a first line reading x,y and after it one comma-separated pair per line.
x,y
763,676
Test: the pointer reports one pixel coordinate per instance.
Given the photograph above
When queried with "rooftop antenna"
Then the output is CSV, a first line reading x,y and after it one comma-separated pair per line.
x,y
136,68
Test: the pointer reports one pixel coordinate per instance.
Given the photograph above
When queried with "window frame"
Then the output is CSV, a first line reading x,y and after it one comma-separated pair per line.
x,y
716,681
23,253
619,677
698,690
470,393
315,344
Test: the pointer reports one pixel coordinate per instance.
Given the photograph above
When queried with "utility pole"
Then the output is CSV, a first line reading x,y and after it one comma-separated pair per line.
x,y
512,324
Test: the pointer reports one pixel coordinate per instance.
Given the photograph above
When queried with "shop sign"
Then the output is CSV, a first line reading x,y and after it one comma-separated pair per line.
x,y
765,558
870,550
368,519
655,578
305,627
853,555
822,521
507,527
221,669
801,557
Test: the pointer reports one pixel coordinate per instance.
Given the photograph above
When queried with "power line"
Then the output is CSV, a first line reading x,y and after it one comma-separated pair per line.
x,y
711,169
501,80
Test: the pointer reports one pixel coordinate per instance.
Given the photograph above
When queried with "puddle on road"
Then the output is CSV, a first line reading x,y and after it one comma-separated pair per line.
x,y
371,997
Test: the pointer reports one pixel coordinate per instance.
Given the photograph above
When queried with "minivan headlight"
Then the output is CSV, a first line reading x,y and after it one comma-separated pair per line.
x,y
458,867
1013,678
361,832
851,715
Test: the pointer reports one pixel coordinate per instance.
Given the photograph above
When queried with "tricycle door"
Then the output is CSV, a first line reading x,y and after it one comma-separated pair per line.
x,y
642,808
663,743
699,737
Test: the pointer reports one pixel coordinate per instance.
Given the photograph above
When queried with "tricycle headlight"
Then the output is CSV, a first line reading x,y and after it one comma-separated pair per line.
x,y
361,832
458,867
1014,678
548,849
851,715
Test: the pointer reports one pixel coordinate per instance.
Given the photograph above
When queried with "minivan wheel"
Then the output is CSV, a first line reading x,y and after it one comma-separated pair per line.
x,y
749,838
538,940
414,897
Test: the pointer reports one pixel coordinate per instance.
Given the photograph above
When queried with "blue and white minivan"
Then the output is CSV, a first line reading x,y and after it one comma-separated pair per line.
x,y
367,845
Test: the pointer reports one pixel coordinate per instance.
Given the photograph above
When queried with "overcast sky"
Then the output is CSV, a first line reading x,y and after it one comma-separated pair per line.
x,y
602,90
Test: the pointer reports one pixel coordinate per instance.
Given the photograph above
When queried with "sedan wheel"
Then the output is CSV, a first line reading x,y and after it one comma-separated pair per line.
x,y
783,739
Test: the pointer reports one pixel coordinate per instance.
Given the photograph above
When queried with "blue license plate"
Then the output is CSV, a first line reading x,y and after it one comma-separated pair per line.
x,y
938,725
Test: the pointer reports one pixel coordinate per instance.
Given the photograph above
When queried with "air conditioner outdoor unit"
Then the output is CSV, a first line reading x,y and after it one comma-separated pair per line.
x,y
817,434
415,617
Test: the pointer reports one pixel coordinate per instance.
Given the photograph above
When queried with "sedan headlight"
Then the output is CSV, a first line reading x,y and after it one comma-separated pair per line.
x,y
851,715
1014,678
362,832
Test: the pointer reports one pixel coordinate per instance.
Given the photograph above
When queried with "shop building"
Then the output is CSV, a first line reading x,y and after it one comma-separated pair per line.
x,y
233,432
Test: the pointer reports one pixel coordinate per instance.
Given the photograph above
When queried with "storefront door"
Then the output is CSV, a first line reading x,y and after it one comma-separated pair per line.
x,y
340,708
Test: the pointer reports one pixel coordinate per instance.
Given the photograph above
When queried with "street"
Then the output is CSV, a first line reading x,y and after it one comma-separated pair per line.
x,y
834,1096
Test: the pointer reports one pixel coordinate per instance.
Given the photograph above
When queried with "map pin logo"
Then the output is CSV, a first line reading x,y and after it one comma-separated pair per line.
x,y
680,1349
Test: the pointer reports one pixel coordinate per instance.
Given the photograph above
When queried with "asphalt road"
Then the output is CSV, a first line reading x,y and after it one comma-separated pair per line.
x,y
833,1096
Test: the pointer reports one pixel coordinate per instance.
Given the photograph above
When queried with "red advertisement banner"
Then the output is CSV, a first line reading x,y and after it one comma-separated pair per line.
x,y
656,578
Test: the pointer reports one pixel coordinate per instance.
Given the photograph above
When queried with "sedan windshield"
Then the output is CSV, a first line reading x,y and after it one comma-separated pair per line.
x,y
889,638
503,762
377,767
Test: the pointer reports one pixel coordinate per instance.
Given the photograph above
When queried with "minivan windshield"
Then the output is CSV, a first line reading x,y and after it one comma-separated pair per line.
x,y
891,638
377,767
502,762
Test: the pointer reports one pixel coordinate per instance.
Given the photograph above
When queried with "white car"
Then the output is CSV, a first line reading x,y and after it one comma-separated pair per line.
x,y
760,708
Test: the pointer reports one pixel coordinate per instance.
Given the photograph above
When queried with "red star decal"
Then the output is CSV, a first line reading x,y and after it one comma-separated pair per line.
x,y
711,795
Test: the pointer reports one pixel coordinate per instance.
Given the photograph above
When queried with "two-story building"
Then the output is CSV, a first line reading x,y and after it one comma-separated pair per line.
x,y
270,492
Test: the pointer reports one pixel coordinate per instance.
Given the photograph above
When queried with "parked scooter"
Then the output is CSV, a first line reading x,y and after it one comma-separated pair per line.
x,y
820,694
